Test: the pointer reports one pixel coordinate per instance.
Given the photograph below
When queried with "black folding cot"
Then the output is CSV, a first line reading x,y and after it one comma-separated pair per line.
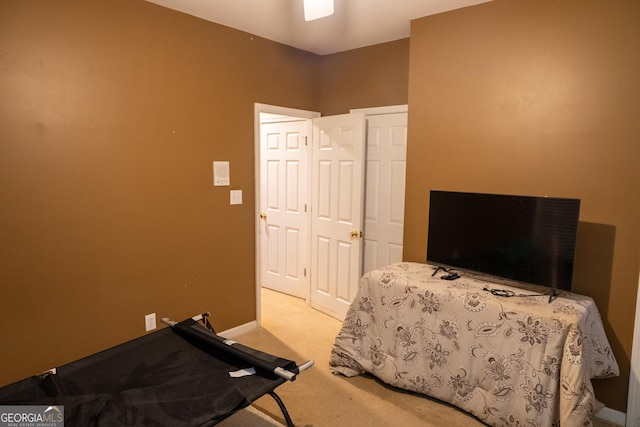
x,y
186,375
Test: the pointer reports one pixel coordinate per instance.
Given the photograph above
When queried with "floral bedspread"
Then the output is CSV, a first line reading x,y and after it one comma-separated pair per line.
x,y
518,361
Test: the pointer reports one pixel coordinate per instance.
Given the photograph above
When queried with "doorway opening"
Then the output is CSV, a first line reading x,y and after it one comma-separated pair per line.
x,y
265,115
377,242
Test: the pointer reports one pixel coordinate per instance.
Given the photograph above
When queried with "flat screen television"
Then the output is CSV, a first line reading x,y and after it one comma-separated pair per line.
x,y
518,238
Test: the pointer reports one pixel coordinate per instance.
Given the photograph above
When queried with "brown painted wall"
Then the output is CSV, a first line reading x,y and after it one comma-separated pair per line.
x,y
111,113
372,76
539,98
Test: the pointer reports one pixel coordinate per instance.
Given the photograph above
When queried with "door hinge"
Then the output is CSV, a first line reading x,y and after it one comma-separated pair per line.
x,y
306,140
305,272
305,208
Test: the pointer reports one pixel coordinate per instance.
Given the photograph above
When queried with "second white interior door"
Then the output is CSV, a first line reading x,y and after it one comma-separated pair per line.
x,y
284,224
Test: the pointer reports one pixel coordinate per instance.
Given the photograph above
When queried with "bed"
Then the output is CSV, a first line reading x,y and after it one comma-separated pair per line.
x,y
185,375
519,360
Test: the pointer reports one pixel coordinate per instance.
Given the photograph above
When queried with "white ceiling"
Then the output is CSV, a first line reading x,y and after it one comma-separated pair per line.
x,y
355,23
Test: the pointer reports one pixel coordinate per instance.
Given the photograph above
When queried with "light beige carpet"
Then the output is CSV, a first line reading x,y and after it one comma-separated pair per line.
x,y
249,417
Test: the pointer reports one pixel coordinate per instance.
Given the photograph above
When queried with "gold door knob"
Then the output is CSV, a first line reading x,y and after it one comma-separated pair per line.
x,y
263,215
354,234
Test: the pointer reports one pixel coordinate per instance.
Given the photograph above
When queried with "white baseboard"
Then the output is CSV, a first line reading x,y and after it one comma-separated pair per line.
x,y
239,330
612,416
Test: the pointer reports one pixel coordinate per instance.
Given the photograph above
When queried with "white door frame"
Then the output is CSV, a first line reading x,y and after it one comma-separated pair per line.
x,y
271,109
290,112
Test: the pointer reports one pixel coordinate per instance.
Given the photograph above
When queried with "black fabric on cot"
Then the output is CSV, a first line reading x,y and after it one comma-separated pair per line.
x,y
255,358
160,379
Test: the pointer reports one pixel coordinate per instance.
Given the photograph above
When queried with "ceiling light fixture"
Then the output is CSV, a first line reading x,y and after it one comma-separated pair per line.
x,y
316,9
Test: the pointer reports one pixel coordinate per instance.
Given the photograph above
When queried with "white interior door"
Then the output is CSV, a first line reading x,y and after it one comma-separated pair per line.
x,y
337,211
284,224
385,189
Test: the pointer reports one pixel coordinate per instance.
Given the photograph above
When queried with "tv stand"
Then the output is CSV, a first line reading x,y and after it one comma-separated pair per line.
x,y
516,359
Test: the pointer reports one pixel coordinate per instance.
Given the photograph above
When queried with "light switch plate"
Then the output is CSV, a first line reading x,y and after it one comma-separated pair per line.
x,y
150,322
235,197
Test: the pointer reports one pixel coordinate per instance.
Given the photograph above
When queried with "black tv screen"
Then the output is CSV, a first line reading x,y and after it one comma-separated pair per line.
x,y
519,238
